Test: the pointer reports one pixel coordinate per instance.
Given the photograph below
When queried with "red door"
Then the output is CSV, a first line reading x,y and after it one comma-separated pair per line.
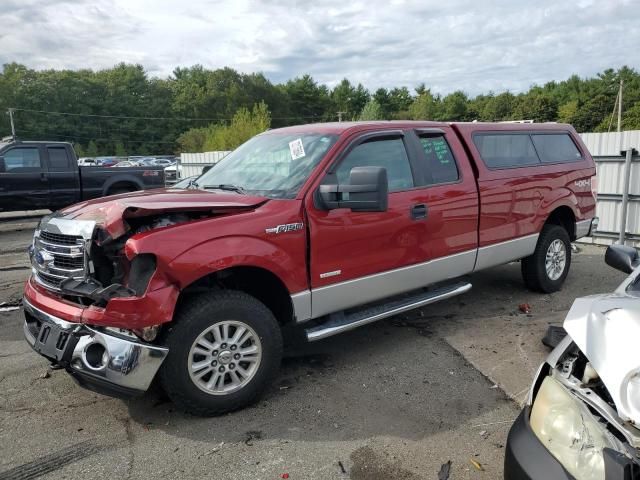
x,y
359,257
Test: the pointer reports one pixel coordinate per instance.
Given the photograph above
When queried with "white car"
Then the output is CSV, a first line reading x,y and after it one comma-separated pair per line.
x,y
87,162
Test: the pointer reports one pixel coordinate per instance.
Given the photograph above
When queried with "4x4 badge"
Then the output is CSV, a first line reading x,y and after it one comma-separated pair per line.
x,y
288,227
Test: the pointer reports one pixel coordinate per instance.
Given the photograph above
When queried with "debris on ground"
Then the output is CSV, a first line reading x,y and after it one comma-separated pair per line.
x,y
10,306
46,374
554,335
484,434
445,469
341,465
252,435
212,451
524,308
477,465
284,475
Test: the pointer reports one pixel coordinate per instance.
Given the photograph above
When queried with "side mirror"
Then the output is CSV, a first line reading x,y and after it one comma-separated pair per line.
x,y
622,258
367,191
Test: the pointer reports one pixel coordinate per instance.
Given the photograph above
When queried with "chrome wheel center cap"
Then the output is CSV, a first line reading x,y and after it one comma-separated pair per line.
x,y
225,357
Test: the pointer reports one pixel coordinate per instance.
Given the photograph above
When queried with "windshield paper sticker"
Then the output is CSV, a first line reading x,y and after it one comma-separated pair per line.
x,y
297,149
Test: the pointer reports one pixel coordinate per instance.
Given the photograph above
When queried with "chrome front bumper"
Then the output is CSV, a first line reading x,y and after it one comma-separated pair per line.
x,y
108,362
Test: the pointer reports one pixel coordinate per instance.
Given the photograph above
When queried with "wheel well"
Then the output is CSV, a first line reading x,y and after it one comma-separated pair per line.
x,y
564,217
257,282
124,185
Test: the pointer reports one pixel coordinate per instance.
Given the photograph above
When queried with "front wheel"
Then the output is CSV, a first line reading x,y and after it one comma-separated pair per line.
x,y
224,349
548,267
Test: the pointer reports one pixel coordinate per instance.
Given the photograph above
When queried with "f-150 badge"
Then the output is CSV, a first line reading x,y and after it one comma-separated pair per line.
x,y
287,227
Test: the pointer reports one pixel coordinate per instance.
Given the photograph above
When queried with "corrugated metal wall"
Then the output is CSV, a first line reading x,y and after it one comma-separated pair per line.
x,y
609,144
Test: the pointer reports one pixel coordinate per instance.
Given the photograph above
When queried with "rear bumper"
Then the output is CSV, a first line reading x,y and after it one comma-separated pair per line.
x,y
110,363
585,228
526,458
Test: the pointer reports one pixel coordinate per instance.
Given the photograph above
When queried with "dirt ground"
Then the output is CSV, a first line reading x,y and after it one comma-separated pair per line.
x,y
397,399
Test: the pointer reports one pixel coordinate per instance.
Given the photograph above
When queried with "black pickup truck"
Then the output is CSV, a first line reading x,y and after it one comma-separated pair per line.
x,y
36,175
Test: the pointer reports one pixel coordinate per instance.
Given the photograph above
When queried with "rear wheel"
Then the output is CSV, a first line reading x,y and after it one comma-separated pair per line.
x,y
548,267
224,349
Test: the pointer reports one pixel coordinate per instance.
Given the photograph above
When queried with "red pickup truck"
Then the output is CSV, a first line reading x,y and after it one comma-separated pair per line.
x,y
324,227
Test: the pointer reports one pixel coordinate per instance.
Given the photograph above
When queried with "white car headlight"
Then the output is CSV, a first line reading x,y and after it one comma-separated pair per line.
x,y
569,431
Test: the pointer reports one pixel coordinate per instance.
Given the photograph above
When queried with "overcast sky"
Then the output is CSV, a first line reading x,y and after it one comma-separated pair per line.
x,y
476,46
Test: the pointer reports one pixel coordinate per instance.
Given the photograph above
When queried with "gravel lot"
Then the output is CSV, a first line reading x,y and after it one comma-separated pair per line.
x,y
393,400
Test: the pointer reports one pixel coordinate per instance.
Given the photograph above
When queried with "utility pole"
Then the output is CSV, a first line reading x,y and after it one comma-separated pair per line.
x,y
13,127
340,116
620,105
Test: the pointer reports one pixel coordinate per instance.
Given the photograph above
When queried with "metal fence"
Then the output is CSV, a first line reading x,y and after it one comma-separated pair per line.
x,y
615,175
191,164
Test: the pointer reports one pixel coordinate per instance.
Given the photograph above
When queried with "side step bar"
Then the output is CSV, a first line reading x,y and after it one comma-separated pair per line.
x,y
341,322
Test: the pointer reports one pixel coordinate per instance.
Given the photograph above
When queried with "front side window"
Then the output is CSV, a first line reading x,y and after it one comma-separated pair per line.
x,y
506,150
556,148
387,153
23,159
441,166
275,165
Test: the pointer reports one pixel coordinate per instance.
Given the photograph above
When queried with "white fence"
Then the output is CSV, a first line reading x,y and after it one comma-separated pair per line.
x,y
192,163
610,166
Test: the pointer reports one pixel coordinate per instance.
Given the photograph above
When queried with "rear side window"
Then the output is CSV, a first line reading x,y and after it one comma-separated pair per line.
x,y
58,159
556,148
23,159
507,150
387,153
441,166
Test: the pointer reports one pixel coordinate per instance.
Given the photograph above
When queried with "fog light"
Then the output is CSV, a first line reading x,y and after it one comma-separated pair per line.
x,y
95,356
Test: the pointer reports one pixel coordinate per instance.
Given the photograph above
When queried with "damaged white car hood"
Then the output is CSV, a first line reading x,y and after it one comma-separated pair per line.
x,y
607,330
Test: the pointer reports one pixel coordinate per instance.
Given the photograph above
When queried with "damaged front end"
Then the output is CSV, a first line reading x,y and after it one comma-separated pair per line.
x,y
582,417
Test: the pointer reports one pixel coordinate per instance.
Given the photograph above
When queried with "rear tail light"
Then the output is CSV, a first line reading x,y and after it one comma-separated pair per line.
x,y
594,185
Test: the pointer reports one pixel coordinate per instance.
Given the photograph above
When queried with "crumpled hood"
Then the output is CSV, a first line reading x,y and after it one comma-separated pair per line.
x,y
110,212
607,330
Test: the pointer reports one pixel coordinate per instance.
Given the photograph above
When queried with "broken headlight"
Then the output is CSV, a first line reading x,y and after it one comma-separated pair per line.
x,y
569,431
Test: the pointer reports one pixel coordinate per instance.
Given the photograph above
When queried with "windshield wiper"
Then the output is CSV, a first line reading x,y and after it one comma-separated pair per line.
x,y
226,186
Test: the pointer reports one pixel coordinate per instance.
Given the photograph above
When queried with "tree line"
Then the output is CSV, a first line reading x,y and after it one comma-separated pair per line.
x,y
123,110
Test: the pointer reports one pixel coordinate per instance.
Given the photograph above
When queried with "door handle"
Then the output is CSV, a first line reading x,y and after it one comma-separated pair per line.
x,y
419,211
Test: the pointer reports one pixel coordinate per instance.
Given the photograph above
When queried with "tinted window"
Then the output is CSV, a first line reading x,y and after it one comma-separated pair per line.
x,y
506,150
441,166
58,159
22,159
556,148
389,154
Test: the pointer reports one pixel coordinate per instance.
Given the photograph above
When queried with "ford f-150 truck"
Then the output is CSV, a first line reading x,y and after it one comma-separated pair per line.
x,y
47,175
322,228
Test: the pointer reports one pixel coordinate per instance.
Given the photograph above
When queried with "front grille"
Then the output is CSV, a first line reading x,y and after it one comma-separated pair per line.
x,y
57,257
50,280
68,263
59,239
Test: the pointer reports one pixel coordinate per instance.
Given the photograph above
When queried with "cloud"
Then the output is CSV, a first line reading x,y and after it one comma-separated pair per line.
x,y
461,44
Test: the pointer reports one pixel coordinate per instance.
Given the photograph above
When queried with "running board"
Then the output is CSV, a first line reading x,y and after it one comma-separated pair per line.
x,y
341,322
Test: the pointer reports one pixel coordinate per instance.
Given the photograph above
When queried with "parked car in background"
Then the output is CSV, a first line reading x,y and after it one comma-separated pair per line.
x,y
582,417
173,173
107,161
87,162
148,161
162,162
37,175
126,163
322,228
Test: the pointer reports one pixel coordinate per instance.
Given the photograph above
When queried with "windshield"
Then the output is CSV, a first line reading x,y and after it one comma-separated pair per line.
x,y
274,165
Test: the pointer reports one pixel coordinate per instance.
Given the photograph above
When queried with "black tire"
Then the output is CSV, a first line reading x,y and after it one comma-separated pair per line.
x,y
534,270
194,317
